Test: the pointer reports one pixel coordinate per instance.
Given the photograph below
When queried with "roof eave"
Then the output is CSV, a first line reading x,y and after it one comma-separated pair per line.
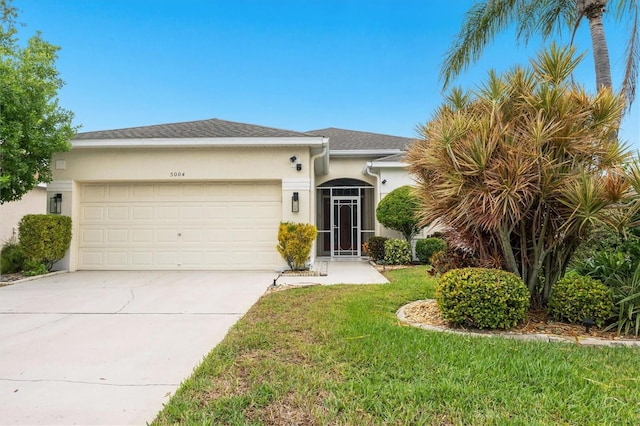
x,y
197,142
387,164
364,152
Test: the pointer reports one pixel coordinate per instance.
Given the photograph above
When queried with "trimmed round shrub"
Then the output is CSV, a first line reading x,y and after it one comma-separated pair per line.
x,y
576,297
428,247
482,298
11,258
375,248
397,252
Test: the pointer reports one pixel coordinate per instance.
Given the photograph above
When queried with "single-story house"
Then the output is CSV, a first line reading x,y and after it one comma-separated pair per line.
x,y
210,194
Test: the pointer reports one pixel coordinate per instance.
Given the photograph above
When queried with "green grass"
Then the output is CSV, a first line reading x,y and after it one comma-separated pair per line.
x,y
337,355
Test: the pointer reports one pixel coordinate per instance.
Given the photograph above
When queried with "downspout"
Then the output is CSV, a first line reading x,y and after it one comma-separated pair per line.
x,y
367,171
312,189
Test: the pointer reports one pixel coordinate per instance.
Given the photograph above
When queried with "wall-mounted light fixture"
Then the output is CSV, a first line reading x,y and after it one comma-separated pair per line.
x,y
384,181
295,202
299,166
293,158
55,204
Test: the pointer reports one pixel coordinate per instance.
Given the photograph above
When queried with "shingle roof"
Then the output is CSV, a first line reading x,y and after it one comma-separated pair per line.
x,y
341,139
212,128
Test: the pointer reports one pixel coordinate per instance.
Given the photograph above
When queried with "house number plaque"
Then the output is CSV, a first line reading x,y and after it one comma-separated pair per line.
x,y
177,174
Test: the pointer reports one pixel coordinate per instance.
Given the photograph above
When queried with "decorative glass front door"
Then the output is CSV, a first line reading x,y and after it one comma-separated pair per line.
x,y
345,226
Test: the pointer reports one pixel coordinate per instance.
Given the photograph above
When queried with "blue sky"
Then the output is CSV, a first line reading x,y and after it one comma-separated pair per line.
x,y
370,65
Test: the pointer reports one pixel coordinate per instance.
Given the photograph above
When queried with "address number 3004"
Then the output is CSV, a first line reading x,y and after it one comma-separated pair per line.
x,y
177,174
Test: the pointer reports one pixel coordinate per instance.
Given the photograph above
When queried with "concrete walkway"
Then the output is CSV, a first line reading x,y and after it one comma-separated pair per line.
x,y
339,272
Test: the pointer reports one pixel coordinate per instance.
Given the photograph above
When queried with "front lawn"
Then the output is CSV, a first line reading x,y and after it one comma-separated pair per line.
x,y
337,355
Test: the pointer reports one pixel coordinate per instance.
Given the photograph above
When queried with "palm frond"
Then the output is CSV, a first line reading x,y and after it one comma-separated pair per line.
x,y
480,25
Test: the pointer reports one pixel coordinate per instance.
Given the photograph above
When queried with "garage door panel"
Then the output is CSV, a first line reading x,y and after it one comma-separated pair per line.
x,y
142,213
117,236
91,236
169,213
93,192
141,260
213,225
118,213
117,259
118,192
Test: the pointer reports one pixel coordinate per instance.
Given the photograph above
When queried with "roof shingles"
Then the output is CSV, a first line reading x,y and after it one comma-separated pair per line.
x,y
212,128
354,140
340,139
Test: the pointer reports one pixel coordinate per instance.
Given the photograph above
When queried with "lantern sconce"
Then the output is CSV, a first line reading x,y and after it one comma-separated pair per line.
x,y
55,204
295,203
384,181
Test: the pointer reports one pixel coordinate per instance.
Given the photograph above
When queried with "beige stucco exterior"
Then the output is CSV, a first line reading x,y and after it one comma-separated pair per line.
x,y
295,166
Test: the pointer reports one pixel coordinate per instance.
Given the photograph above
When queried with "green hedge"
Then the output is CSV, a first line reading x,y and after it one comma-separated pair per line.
x,y
428,247
11,258
44,239
482,298
397,252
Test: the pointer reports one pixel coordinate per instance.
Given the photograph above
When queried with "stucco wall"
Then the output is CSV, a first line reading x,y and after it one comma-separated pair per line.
x,y
33,202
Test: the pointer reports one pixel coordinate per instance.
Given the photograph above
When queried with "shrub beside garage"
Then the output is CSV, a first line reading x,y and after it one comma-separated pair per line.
x,y
43,239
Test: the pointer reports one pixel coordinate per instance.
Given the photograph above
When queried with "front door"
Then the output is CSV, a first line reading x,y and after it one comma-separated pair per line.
x,y
345,226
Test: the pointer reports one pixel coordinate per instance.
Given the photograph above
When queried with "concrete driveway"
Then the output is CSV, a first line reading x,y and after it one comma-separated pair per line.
x,y
111,347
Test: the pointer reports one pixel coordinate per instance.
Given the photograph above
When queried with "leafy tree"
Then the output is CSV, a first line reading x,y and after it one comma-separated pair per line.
x,y
32,125
398,211
523,167
546,18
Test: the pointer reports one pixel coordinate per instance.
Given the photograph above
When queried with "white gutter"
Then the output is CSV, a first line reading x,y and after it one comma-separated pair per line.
x,y
196,142
364,152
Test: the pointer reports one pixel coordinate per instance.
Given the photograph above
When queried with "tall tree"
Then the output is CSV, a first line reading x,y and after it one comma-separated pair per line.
x,y
547,18
32,125
523,167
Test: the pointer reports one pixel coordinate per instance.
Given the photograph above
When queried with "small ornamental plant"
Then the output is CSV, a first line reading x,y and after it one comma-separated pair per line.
x,y
374,248
576,298
397,252
482,298
428,247
294,243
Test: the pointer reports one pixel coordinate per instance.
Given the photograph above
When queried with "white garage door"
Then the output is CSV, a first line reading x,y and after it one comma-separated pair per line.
x,y
173,226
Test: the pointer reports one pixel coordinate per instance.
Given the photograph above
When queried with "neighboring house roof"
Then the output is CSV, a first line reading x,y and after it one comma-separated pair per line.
x,y
351,140
212,128
392,158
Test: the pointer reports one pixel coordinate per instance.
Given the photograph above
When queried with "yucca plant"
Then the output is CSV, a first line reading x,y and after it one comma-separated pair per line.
x,y
524,166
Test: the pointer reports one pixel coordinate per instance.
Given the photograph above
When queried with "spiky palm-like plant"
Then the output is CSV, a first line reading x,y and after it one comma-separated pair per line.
x,y
523,166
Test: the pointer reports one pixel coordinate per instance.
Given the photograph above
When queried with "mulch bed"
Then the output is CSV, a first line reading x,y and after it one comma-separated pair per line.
x,y
537,322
